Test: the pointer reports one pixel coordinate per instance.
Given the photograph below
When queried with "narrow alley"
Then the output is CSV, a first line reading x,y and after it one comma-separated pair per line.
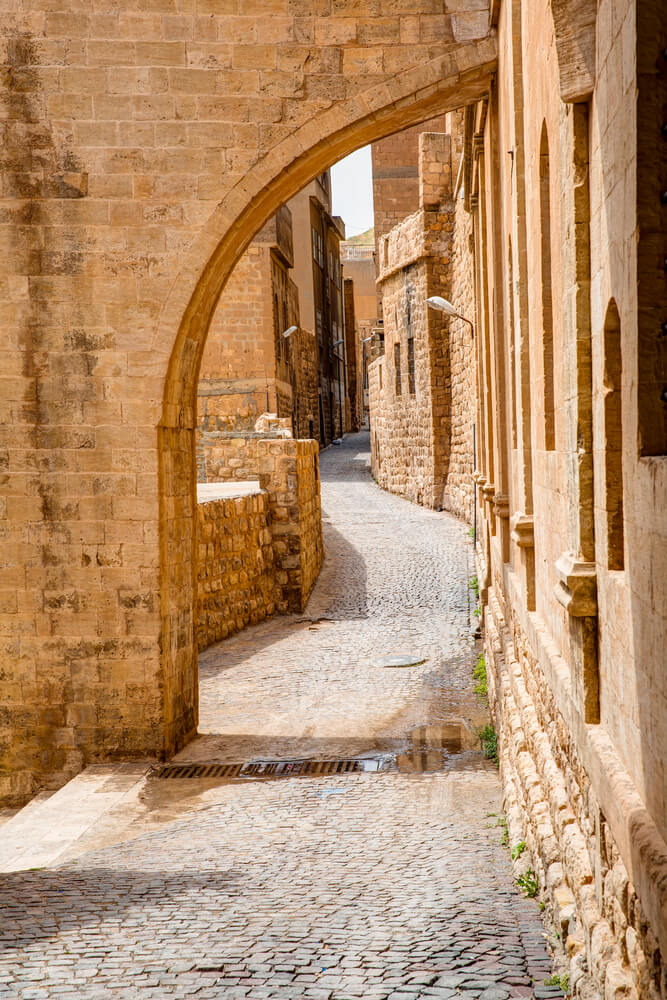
x,y
385,884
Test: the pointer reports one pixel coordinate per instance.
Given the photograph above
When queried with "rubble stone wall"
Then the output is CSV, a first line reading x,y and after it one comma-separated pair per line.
x,y
597,925
227,457
236,577
288,471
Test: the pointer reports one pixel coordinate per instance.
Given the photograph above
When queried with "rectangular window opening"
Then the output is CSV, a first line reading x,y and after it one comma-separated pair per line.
x,y
411,365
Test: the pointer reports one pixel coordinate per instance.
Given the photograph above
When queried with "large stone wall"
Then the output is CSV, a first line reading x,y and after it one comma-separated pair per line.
x,y
143,148
572,531
237,583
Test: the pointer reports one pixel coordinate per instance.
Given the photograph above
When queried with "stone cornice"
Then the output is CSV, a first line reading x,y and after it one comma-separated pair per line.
x,y
576,589
523,530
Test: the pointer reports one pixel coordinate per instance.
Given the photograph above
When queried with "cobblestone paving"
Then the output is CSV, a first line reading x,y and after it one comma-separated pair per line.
x,y
390,886
395,579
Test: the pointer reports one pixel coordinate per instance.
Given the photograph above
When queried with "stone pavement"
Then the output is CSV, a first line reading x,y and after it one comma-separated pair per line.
x,y
392,885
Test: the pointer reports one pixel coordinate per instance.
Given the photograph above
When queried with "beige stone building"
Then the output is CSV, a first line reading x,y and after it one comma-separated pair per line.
x,y
318,275
358,263
143,149
422,380
249,366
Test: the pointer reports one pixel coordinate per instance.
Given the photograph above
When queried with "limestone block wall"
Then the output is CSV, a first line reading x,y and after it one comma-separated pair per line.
x,y
403,424
236,579
572,529
598,926
304,372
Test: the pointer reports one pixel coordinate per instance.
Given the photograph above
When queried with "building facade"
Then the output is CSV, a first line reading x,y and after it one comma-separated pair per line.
x,y
249,366
421,381
553,255
317,271
358,261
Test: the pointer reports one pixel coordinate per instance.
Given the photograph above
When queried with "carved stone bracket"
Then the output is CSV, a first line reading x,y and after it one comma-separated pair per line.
x,y
479,477
576,589
523,531
488,492
501,505
574,23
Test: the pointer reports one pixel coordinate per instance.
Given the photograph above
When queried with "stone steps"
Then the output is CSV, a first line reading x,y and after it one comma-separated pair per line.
x,y
46,828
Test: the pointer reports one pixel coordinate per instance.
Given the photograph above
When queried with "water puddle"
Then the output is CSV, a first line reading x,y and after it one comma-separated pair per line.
x,y
426,749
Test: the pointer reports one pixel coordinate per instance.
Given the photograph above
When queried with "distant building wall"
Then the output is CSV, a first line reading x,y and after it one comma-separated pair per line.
x,y
419,433
396,175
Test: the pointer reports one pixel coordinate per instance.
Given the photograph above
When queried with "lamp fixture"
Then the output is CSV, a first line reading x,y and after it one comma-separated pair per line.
x,y
442,305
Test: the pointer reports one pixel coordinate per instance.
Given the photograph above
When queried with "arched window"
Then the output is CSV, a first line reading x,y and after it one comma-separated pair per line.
x,y
613,437
547,304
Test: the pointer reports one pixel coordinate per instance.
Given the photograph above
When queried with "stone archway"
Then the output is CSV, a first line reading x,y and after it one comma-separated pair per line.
x,y
162,159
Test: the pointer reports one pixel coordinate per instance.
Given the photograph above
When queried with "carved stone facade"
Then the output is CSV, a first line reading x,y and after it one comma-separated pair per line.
x,y
571,494
565,370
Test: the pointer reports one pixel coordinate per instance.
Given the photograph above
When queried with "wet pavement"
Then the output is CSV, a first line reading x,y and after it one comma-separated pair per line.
x,y
284,876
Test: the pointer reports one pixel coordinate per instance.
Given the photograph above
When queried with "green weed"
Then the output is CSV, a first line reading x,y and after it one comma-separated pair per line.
x,y
489,742
474,586
528,883
518,850
479,676
563,982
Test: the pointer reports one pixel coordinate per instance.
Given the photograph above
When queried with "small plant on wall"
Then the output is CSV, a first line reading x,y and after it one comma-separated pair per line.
x,y
528,883
489,741
479,676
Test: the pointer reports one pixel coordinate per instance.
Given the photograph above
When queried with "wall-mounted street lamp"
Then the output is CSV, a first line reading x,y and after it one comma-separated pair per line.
x,y
442,305
289,331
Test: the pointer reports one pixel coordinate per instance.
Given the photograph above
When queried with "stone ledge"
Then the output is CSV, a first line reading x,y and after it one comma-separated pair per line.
x,y
576,589
523,531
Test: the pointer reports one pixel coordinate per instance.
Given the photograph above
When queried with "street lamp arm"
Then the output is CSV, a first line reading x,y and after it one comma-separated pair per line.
x,y
442,305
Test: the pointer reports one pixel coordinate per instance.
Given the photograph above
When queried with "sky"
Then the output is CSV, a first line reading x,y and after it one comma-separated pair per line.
x,y
352,191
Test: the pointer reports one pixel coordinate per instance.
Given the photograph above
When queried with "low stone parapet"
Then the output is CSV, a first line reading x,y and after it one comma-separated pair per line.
x,y
260,543
236,572
289,472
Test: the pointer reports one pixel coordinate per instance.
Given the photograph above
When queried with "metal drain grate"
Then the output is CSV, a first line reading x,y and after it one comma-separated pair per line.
x,y
273,768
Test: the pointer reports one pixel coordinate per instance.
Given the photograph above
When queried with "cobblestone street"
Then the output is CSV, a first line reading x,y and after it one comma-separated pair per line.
x,y
387,885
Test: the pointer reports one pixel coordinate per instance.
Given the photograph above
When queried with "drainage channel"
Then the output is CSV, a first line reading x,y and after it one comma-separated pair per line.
x,y
429,749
